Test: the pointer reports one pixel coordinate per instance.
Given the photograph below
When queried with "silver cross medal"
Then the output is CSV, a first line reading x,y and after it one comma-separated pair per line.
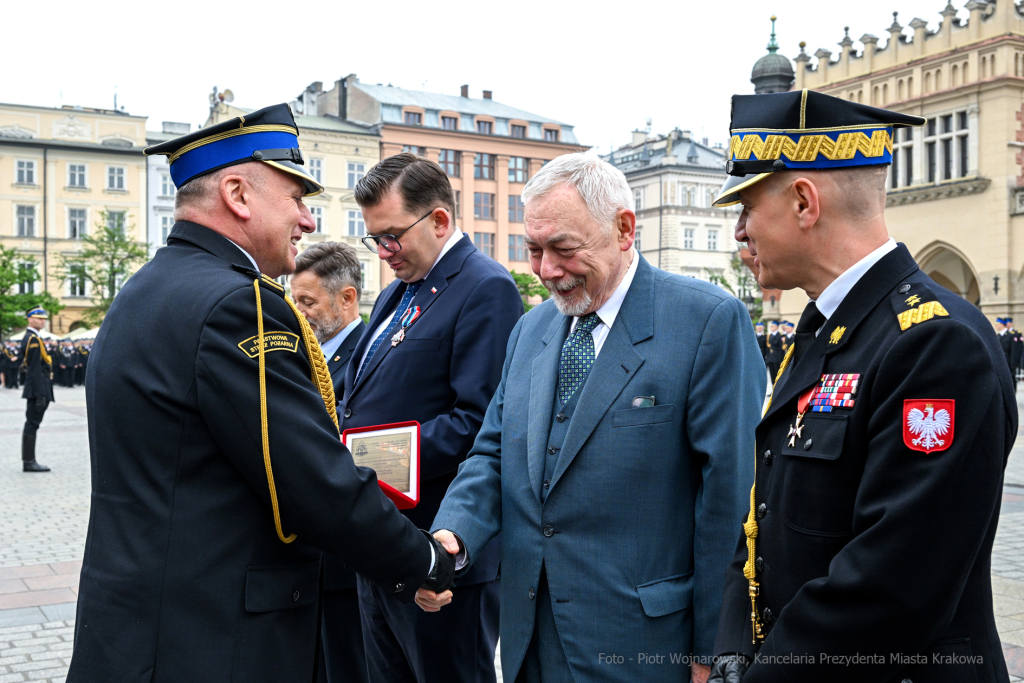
x,y
796,430
399,336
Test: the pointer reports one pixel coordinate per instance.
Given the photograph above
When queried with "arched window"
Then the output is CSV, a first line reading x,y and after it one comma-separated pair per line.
x,y
885,93
860,96
874,96
955,76
963,70
910,86
710,198
938,79
928,82
899,89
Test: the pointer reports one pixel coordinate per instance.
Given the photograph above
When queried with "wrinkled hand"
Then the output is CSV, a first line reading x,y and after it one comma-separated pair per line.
x,y
729,669
699,673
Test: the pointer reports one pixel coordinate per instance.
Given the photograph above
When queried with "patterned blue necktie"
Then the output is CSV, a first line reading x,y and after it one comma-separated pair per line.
x,y
577,357
403,305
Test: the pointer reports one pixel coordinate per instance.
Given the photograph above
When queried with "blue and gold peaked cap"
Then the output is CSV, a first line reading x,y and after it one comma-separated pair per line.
x,y
37,312
268,135
804,129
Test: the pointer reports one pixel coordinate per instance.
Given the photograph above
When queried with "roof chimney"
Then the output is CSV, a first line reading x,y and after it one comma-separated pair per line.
x,y
639,137
465,91
487,94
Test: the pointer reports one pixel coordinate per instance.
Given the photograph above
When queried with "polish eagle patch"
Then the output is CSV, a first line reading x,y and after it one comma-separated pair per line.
x,y
928,424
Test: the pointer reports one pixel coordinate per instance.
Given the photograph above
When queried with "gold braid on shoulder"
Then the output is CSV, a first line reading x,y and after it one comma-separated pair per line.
x,y
750,526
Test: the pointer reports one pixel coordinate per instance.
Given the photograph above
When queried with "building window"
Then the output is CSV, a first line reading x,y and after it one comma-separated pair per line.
x,y
26,172
356,225
76,175
458,204
316,169
636,242
709,198
362,276
26,221
688,238
166,186
483,167
483,205
518,131
76,224
355,173
947,146
516,248
413,118
484,127
484,241
712,240
515,208
518,169
449,123
550,135
166,223
413,149
27,277
638,198
902,173
115,221
318,218
76,280
115,177
450,162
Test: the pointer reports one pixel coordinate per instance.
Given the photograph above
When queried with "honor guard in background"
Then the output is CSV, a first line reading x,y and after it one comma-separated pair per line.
x,y
866,551
38,367
773,346
10,362
762,339
1008,345
210,510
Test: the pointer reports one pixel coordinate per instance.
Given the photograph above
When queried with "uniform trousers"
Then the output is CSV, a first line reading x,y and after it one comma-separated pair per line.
x,y
545,658
404,644
343,651
34,414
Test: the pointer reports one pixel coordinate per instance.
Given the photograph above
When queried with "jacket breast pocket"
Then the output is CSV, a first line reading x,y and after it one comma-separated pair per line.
x,y
419,345
269,588
819,486
666,596
636,417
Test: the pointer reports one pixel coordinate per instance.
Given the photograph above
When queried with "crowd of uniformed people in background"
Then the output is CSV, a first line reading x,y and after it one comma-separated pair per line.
x,y
70,359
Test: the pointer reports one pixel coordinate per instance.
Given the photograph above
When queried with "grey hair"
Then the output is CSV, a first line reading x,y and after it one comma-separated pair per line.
x,y
335,263
197,191
602,186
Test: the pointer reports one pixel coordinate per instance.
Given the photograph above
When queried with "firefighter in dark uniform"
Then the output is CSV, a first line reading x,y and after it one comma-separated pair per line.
x,y
762,339
10,365
210,511
865,556
1017,350
1008,344
773,346
38,367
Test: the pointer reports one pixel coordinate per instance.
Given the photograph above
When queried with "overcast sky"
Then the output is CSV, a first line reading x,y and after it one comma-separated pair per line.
x,y
603,67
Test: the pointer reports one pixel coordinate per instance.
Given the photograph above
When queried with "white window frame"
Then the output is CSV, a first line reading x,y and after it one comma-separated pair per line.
x,y
638,198
636,241
111,175
319,219
69,288
84,230
22,173
71,174
166,223
356,172
27,288
356,224
712,239
903,140
953,135
364,268
124,219
688,238
35,219
317,170
166,185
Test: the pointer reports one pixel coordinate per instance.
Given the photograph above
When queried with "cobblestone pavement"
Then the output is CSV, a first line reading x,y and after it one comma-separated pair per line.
x,y
46,516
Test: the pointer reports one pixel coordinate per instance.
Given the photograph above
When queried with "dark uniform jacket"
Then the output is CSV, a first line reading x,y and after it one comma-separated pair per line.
x,y
774,346
184,576
868,545
38,373
762,344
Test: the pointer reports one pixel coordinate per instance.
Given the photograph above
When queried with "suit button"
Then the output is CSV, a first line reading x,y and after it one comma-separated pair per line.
x,y
348,413
560,417
295,596
768,616
760,564
548,531
808,444
762,510
547,483
552,450
399,587
767,458
903,290
532,593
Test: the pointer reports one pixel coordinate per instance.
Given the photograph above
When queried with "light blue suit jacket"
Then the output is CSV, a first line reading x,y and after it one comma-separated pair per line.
x,y
644,502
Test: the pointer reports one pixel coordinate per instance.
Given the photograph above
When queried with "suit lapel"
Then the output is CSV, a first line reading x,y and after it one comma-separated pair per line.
x,y
391,300
543,381
344,352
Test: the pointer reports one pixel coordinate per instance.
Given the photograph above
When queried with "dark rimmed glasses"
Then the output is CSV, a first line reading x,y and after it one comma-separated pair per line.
x,y
390,242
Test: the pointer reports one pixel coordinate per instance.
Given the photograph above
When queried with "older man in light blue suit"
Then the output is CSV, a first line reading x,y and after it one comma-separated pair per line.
x,y
616,456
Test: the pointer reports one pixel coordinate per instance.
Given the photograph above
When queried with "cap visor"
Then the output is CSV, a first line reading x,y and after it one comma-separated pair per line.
x,y
312,187
730,192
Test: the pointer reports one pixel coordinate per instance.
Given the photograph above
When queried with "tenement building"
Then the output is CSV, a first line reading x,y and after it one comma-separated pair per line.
x,y
956,187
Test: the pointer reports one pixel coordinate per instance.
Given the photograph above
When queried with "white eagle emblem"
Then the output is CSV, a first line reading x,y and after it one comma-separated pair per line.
x,y
928,428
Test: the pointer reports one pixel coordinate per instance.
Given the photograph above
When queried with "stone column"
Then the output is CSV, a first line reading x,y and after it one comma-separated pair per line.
x,y
801,67
948,15
974,22
972,138
919,26
844,58
895,30
870,45
824,60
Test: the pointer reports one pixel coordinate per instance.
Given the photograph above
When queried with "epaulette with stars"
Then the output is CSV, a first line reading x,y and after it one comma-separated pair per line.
x,y
915,303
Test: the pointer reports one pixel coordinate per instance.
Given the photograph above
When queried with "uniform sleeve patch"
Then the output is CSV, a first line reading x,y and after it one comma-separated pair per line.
x,y
928,424
919,314
272,341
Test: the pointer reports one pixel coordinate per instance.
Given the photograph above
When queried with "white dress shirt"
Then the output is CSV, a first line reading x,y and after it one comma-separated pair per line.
x,y
828,301
332,344
610,309
247,255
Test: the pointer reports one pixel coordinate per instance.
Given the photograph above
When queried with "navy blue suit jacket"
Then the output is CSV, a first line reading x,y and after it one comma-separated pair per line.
x,y
442,374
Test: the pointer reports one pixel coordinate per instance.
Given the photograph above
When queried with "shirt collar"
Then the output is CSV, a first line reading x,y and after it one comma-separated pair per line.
x,y
610,309
332,344
455,237
247,255
834,294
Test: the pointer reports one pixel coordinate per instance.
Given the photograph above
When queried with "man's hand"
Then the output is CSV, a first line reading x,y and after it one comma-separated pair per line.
x,y
699,672
446,546
448,540
429,601
729,669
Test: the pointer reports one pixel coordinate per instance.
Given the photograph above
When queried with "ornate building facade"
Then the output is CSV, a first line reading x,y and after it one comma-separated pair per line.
x,y
956,187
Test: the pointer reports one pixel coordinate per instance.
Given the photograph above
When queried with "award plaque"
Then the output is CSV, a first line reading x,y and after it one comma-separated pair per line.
x,y
393,452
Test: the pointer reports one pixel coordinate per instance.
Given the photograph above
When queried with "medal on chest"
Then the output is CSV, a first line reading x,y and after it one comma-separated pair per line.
x,y
796,430
408,318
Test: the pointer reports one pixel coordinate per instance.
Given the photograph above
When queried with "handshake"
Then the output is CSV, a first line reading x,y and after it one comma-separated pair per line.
x,y
436,591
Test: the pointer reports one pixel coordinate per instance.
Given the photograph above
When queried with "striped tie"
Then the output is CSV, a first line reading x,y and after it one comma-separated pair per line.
x,y
403,305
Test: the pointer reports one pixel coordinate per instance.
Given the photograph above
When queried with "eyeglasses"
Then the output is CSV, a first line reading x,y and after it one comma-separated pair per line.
x,y
390,242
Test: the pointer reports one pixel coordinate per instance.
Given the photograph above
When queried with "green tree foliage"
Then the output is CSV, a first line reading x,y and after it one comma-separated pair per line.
x,y
740,282
13,305
107,257
529,287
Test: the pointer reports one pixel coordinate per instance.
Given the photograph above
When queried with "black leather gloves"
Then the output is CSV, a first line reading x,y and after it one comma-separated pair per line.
x,y
440,577
729,668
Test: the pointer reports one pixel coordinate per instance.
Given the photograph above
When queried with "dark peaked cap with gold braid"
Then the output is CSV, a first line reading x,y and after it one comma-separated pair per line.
x,y
804,129
268,135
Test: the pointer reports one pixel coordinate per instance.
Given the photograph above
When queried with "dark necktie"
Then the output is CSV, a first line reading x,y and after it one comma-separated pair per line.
x,y
810,322
403,305
577,356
